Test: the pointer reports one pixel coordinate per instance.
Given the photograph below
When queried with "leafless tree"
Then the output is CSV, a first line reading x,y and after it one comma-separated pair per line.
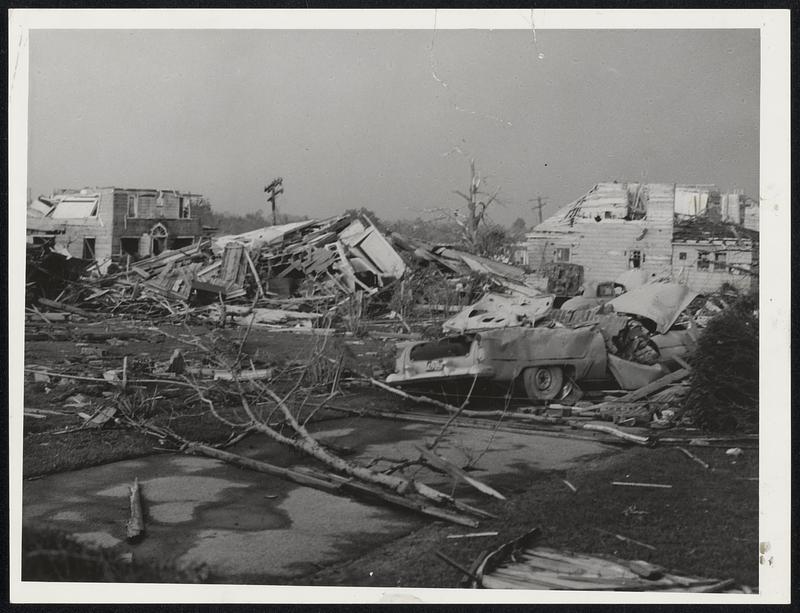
x,y
471,218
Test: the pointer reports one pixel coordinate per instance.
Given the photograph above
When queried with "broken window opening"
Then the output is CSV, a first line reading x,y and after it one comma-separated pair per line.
x,y
133,208
129,246
682,255
184,208
703,260
561,254
636,259
75,208
88,248
44,240
721,261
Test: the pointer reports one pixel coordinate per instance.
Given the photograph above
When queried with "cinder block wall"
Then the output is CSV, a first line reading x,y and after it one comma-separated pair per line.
x,y
738,253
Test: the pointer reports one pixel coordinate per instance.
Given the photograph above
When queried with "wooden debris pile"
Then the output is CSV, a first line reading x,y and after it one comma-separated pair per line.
x,y
459,264
305,266
49,270
520,564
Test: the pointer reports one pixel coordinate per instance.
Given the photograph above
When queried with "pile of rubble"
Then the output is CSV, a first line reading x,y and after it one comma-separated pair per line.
x,y
295,274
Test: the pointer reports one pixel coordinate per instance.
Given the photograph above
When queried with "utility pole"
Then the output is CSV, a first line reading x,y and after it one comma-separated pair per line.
x,y
540,203
273,190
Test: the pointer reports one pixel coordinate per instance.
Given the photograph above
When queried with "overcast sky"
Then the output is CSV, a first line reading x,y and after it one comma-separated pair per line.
x,y
389,119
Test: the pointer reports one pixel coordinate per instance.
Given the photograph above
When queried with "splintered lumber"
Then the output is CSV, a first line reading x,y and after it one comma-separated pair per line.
x,y
517,565
245,375
330,483
46,320
255,273
457,473
691,456
142,273
655,386
638,394
63,307
135,525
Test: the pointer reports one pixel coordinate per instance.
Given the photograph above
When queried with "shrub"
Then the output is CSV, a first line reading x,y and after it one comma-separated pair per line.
x,y
51,555
723,394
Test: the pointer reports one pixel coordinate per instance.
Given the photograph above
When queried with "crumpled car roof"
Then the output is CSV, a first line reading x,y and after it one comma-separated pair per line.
x,y
661,303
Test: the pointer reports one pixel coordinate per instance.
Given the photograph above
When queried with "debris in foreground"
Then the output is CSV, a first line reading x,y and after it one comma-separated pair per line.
x,y
519,564
135,525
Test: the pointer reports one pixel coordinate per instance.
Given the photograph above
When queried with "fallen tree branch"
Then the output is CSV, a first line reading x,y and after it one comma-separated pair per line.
x,y
135,525
457,473
639,440
328,483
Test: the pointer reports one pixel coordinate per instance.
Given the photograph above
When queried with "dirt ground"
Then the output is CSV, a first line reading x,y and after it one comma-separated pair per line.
x,y
706,523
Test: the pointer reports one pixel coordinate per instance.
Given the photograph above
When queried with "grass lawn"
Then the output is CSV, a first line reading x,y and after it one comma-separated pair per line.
x,y
706,524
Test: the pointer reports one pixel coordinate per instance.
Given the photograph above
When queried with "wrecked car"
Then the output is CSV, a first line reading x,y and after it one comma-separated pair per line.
x,y
629,346
592,295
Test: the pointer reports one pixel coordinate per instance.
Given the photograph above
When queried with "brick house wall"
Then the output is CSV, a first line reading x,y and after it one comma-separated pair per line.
x,y
111,224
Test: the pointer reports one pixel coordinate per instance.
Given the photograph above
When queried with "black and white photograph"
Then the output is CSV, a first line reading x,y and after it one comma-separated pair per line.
x,y
431,305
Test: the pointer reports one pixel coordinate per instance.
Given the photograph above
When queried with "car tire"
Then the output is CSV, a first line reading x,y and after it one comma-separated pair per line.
x,y
543,382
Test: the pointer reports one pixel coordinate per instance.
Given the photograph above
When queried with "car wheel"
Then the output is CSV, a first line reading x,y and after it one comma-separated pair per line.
x,y
543,383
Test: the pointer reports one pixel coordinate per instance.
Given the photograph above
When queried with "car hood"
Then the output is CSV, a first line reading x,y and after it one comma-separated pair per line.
x,y
499,311
661,303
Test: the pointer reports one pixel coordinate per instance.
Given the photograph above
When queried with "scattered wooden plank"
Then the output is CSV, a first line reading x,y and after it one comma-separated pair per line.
x,y
635,484
472,535
655,386
691,456
245,375
139,271
626,539
59,306
682,362
569,485
45,412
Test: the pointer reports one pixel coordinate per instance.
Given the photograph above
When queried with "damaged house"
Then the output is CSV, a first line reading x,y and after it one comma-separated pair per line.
x,y
109,224
689,233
